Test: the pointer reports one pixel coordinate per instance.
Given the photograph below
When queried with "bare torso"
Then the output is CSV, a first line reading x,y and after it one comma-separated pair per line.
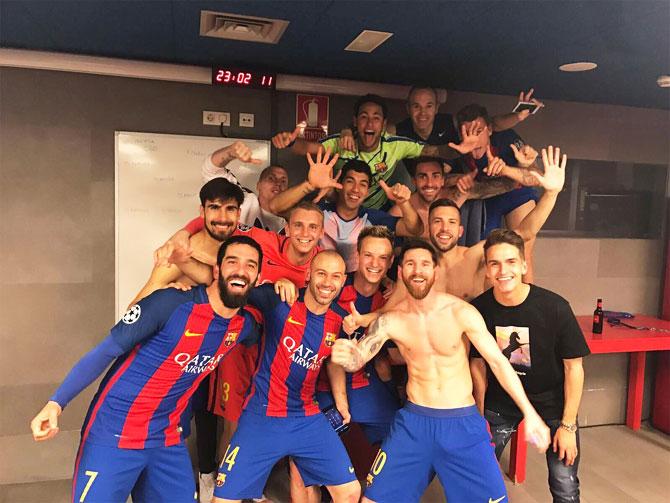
x,y
462,272
431,340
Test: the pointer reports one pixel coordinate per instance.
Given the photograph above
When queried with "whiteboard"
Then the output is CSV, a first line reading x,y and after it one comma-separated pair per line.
x,y
157,181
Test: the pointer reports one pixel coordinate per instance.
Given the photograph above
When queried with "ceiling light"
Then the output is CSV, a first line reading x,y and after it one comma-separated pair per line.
x,y
581,66
368,41
663,81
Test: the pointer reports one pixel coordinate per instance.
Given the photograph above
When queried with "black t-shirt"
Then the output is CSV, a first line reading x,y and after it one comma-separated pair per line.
x,y
443,130
535,336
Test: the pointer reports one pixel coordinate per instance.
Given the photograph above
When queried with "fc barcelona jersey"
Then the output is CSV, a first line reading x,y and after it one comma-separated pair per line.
x,y
294,348
173,339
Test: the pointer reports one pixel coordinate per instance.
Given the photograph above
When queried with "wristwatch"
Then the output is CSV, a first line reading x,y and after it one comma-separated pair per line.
x,y
571,427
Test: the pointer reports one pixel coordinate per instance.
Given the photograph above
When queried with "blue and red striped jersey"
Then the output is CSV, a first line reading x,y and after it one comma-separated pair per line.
x,y
172,340
294,347
364,305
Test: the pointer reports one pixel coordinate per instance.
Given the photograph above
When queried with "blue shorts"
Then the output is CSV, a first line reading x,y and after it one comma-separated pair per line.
x,y
261,441
499,206
454,443
104,473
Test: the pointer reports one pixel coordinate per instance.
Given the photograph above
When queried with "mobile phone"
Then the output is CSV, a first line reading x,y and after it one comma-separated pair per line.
x,y
527,105
335,419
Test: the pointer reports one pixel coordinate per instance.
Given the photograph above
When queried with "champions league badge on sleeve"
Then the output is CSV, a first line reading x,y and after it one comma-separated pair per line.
x,y
132,315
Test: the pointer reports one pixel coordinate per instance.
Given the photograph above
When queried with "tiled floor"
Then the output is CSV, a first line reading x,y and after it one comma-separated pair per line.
x,y
617,466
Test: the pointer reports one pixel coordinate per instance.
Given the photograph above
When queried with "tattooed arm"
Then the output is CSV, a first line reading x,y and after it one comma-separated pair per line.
x,y
522,175
353,355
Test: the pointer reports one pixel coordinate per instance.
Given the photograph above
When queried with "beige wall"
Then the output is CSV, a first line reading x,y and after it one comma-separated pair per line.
x,y
57,227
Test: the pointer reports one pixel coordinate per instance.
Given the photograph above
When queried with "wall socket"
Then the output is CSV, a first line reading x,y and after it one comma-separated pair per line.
x,y
246,120
215,118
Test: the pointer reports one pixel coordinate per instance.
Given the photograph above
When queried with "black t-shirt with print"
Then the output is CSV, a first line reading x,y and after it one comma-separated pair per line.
x,y
535,336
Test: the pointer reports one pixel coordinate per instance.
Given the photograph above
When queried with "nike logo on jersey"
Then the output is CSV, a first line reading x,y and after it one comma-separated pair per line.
x,y
294,322
440,135
351,469
491,500
188,333
270,262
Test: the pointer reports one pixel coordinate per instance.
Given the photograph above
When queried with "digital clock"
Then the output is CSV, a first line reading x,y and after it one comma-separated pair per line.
x,y
237,77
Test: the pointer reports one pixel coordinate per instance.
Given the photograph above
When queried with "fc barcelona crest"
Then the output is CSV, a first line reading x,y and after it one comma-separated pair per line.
x,y
330,338
230,338
380,167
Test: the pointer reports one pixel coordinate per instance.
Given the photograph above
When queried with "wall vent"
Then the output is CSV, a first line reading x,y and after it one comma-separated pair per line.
x,y
238,27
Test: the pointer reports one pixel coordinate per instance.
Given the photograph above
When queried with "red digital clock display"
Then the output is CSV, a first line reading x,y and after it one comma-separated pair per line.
x,y
237,77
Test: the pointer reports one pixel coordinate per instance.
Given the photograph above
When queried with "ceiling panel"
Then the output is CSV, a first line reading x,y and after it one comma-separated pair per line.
x,y
482,46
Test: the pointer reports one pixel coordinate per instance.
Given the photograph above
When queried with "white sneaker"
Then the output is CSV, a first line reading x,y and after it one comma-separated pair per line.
x,y
206,483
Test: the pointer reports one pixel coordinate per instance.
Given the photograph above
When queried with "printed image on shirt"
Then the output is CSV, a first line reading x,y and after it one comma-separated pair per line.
x,y
514,342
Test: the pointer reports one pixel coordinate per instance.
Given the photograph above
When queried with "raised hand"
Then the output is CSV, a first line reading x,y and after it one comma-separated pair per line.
x,y
470,139
527,97
347,140
45,424
285,139
399,193
242,152
321,171
525,156
554,169
495,166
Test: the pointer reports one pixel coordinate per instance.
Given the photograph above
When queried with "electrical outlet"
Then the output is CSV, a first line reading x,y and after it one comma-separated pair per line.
x,y
215,118
246,120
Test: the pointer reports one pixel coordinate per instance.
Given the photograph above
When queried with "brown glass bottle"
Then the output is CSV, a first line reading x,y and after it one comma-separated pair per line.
x,y
598,318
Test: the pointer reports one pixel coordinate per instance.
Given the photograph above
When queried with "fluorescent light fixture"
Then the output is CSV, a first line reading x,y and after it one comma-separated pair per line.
x,y
663,81
368,41
581,66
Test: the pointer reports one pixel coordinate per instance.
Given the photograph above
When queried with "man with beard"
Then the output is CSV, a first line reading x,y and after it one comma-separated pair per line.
x,y
429,179
285,257
345,218
374,146
162,348
281,416
439,431
462,271
220,203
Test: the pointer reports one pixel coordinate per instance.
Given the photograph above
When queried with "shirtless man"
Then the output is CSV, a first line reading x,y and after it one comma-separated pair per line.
x,y
439,430
462,269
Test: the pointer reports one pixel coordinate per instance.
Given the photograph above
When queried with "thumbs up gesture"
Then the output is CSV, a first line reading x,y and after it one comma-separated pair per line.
x,y
399,193
352,321
285,139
